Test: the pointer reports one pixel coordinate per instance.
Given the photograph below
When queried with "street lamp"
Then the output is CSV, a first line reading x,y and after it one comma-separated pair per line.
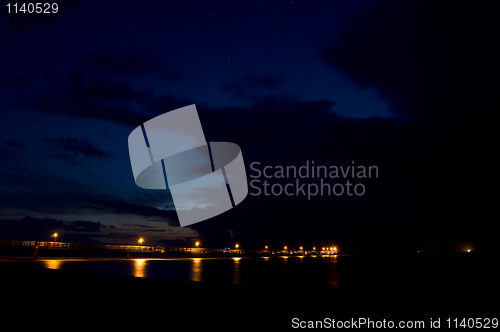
x,y
197,243
266,247
55,237
141,240
237,246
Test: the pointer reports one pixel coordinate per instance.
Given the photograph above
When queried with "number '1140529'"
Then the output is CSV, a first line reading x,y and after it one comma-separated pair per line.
x,y
30,8
484,323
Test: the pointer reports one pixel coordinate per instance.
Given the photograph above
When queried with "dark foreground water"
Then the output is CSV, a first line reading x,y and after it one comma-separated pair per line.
x,y
256,292
236,270
333,272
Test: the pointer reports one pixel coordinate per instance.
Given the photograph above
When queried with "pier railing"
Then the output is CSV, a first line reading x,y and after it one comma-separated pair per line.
x,y
36,245
78,246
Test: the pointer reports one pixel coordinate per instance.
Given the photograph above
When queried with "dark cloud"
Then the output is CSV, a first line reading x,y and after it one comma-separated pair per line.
x,y
102,90
39,190
101,87
437,63
6,153
29,228
263,81
388,51
166,103
272,128
144,97
103,99
123,207
13,144
50,73
83,226
17,54
138,225
253,86
17,83
70,148
130,62
421,53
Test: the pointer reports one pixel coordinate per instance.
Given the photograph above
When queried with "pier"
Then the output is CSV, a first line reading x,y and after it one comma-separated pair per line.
x,y
87,249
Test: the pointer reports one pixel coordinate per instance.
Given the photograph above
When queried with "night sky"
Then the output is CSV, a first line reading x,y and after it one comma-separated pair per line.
x,y
408,86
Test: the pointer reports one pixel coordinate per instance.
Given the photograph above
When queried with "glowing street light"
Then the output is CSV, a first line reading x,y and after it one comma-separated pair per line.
x,y
468,250
237,246
285,247
197,244
314,248
266,247
55,237
300,248
141,240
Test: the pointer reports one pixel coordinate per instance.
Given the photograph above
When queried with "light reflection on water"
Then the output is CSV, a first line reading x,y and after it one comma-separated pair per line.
x,y
140,268
53,263
236,270
334,279
196,270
